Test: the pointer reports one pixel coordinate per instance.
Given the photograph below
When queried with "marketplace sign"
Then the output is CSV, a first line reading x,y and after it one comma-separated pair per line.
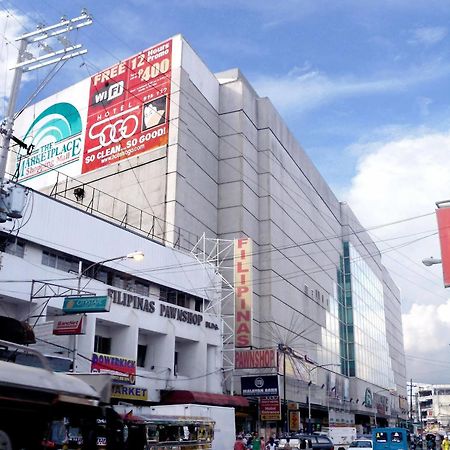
x,y
122,369
243,288
54,131
123,392
128,108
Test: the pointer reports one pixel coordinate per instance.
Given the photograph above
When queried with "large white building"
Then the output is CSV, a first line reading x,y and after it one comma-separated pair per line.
x,y
164,319
161,145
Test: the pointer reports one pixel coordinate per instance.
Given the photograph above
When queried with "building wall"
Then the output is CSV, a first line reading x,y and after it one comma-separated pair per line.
x,y
233,169
56,227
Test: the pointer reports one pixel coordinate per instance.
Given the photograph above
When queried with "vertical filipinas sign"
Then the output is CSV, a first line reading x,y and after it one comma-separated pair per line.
x,y
243,287
443,220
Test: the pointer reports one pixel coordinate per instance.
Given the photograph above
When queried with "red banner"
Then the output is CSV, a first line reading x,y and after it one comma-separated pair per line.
x,y
243,287
128,108
443,220
255,359
269,408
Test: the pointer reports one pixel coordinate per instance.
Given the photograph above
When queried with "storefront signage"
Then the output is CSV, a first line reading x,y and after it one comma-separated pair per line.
x,y
269,408
255,359
165,310
128,110
86,304
122,369
69,325
124,392
294,421
259,386
243,288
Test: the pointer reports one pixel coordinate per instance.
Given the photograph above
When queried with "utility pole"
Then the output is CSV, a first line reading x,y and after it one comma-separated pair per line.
x,y
26,62
410,402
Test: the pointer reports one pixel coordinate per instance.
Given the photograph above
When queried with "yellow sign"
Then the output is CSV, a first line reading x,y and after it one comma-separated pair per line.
x,y
294,421
124,392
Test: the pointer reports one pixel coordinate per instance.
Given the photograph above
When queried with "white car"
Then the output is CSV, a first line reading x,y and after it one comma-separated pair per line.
x,y
361,443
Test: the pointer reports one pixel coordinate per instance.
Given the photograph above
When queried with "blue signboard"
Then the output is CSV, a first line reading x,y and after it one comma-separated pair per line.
x,y
259,386
86,304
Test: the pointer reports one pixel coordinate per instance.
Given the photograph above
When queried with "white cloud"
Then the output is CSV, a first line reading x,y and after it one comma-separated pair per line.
x,y
424,328
397,179
302,90
428,35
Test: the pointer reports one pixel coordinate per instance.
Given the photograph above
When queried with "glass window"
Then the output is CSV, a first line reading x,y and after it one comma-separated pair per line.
x,y
396,436
141,354
102,344
381,436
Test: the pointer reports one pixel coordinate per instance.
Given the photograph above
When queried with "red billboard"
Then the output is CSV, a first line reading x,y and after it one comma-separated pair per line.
x,y
255,359
269,408
128,111
443,220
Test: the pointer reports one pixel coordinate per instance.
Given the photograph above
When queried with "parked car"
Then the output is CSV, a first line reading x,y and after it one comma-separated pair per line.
x,y
361,443
307,441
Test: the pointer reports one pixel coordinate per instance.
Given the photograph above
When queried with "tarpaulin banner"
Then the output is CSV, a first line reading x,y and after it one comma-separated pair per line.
x,y
128,108
443,220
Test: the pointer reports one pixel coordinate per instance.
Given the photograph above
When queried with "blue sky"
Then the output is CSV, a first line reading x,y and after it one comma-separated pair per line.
x,y
362,84
380,66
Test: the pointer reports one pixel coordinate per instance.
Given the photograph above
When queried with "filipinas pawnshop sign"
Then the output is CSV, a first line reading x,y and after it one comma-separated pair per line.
x,y
243,287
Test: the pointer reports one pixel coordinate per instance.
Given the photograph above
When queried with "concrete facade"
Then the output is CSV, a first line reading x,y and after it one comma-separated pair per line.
x,y
174,346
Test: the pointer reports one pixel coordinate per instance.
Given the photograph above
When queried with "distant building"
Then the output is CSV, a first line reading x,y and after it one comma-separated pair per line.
x,y
431,406
164,147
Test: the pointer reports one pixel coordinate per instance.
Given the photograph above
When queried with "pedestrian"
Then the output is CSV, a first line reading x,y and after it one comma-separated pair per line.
x,y
257,443
287,446
239,444
445,443
249,444
271,445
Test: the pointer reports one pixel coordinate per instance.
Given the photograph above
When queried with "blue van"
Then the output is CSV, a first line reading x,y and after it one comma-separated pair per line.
x,y
390,439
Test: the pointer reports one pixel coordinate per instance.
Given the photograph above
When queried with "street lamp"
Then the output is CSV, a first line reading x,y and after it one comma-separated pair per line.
x,y
431,261
310,382
137,256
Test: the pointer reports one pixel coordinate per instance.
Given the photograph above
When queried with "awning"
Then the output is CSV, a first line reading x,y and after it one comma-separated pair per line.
x,y
204,398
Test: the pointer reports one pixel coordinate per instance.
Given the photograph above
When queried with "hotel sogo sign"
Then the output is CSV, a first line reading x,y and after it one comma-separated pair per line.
x,y
243,287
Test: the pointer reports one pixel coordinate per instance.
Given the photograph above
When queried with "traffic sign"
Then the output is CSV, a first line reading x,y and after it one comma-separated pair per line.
x,y
86,304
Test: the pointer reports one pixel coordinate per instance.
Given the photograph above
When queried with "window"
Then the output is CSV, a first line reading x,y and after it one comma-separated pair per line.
x,y
141,354
175,364
60,262
102,344
13,246
199,304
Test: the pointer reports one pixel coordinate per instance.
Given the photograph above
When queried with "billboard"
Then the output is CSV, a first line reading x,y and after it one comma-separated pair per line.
x,y
255,359
243,288
122,369
55,129
269,408
118,113
128,108
69,325
259,386
443,220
